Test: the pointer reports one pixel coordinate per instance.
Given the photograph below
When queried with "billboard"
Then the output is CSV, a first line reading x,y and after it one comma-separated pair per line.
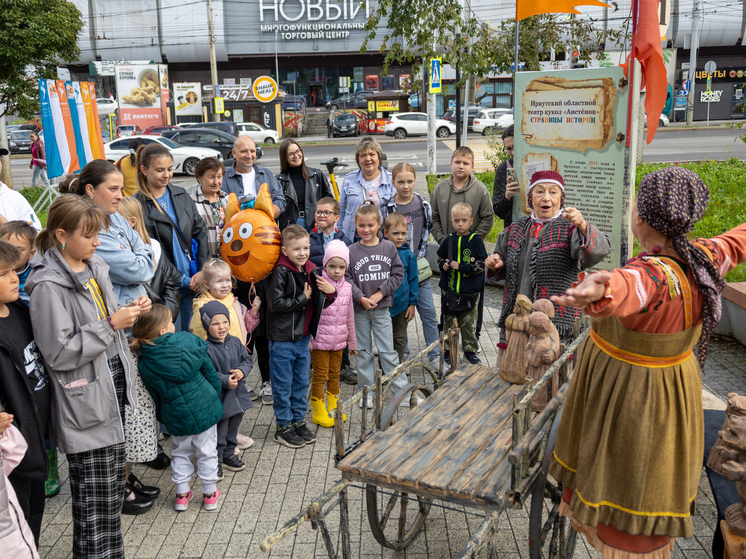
x,y
188,98
139,95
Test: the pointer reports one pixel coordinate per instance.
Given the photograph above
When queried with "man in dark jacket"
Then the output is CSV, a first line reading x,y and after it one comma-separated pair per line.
x,y
244,178
503,190
297,294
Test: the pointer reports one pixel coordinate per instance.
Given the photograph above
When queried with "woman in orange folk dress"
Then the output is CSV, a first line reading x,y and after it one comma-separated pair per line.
x,y
630,443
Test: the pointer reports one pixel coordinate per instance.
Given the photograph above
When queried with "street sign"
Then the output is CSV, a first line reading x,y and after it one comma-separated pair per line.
x,y
709,83
435,71
710,67
219,105
685,85
265,89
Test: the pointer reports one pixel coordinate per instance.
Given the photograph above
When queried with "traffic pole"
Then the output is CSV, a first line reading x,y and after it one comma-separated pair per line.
x,y
693,61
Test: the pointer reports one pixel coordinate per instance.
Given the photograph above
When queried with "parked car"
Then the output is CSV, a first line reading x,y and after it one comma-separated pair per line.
x,y
293,103
185,158
128,130
106,106
346,124
504,121
258,133
401,125
20,141
357,100
11,128
450,115
160,129
486,120
662,121
226,126
207,138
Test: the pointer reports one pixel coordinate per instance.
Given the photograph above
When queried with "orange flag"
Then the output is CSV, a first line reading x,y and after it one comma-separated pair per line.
x,y
650,55
528,8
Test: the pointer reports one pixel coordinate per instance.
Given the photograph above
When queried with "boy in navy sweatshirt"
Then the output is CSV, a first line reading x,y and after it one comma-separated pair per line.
x,y
461,259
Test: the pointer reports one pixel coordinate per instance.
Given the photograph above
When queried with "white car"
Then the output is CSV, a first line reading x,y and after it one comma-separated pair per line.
x,y
504,121
106,106
401,125
662,121
258,133
486,120
185,158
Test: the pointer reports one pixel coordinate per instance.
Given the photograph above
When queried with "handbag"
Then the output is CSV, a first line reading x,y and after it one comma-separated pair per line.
x,y
424,271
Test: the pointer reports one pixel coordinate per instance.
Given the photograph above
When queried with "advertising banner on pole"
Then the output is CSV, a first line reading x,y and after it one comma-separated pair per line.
x,y
68,128
165,91
188,99
82,122
139,94
90,124
75,120
54,162
96,120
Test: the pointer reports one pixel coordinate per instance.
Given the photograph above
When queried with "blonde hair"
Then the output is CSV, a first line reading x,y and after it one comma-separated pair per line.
x,y
402,167
292,232
148,326
368,142
462,207
394,219
145,157
69,212
130,207
212,267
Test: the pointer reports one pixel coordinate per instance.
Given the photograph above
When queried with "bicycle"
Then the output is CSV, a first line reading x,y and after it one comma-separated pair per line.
x,y
330,166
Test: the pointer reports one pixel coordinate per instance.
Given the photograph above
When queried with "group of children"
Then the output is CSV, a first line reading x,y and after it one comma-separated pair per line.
x,y
362,292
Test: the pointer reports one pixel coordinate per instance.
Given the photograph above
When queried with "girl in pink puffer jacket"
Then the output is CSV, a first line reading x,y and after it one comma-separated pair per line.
x,y
336,330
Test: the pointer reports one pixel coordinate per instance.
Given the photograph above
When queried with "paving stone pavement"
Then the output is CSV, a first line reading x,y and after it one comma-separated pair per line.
x,y
279,482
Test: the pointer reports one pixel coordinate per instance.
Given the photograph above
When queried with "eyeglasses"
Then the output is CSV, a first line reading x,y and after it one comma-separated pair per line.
x,y
508,149
325,213
296,153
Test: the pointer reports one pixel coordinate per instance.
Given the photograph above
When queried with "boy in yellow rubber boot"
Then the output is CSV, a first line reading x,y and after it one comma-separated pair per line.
x,y
336,331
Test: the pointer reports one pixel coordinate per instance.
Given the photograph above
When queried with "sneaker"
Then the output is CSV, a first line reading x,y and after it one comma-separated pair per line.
x,y
304,433
266,394
182,501
220,472
244,442
233,463
471,357
348,376
253,395
287,436
369,403
211,501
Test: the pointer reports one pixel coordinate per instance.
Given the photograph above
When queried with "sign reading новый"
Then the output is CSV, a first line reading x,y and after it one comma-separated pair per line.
x,y
265,89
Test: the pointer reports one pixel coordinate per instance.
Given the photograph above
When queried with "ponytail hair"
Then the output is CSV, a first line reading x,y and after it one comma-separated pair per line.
x,y
145,157
148,326
69,213
94,173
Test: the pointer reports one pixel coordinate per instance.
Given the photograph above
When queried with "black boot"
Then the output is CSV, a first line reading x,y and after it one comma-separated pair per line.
x,y
134,503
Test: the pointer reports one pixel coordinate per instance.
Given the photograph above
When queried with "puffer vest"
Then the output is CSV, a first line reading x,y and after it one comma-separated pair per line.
x,y
332,331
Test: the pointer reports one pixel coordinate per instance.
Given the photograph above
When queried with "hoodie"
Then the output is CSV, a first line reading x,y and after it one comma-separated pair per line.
x,y
73,342
445,196
182,380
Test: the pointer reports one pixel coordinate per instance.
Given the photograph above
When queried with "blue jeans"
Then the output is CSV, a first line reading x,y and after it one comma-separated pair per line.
x,y
302,222
428,318
376,323
185,310
289,364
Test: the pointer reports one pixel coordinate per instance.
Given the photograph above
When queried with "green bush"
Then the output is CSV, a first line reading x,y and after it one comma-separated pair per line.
x,y
32,194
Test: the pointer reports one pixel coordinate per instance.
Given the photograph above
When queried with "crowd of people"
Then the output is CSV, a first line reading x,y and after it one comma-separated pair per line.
x,y
130,327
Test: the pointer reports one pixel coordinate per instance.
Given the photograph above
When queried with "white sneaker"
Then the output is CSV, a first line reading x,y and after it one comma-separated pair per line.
x,y
266,394
244,442
369,403
405,402
435,364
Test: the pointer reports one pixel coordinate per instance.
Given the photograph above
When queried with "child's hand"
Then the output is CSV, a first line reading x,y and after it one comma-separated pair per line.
x,y
307,291
376,297
232,382
5,420
454,265
409,313
238,373
494,262
353,352
324,286
446,265
255,306
367,304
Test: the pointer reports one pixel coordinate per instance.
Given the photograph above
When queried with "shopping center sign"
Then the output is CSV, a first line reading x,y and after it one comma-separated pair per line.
x,y
312,19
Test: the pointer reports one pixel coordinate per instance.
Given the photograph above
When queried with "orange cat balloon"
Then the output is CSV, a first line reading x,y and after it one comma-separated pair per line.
x,y
251,238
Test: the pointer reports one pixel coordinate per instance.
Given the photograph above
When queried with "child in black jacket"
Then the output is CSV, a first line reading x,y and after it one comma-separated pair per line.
x,y
462,257
232,364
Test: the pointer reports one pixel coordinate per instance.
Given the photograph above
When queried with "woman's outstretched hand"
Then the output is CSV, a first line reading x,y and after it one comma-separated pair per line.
x,y
590,290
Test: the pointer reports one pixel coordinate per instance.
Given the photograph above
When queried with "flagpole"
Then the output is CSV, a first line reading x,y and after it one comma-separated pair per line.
x,y
631,73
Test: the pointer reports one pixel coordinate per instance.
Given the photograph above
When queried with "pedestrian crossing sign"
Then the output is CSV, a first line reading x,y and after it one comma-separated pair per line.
x,y
435,80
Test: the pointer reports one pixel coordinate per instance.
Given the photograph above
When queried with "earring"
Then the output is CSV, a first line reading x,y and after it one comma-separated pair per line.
x,y
63,246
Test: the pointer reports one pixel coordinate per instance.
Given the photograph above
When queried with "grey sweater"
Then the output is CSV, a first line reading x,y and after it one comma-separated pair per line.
x,y
374,268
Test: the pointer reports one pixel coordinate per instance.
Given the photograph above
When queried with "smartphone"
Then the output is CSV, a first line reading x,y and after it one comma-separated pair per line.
x,y
511,175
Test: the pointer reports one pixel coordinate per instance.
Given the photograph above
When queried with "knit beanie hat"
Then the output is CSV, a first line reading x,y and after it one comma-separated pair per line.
x,y
209,310
547,176
337,249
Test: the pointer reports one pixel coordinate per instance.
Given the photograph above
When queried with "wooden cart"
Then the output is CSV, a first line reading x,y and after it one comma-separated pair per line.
x,y
473,441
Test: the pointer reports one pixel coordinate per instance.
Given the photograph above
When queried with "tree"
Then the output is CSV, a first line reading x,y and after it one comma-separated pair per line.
x,y
415,31
35,36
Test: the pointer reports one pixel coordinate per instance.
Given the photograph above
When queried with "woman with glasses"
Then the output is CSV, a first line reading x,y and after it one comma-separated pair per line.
x,y
303,186
504,189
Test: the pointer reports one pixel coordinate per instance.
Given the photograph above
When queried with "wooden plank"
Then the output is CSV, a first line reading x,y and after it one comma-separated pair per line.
x,y
467,422
386,453
472,477
470,448
458,389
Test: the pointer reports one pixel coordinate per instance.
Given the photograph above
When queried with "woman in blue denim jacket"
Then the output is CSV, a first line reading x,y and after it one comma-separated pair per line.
x,y
371,182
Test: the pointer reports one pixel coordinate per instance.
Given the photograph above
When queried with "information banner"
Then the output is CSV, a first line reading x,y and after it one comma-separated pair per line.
x,y
188,99
165,91
575,122
139,95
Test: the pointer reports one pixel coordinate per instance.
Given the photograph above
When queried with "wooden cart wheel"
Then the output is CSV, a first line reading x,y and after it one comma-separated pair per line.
x,y
392,528
555,530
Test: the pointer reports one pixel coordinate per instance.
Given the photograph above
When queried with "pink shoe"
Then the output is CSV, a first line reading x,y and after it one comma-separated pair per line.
x,y
182,503
211,501
244,442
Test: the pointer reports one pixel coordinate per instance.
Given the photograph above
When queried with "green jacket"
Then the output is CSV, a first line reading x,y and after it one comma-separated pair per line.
x,y
183,383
